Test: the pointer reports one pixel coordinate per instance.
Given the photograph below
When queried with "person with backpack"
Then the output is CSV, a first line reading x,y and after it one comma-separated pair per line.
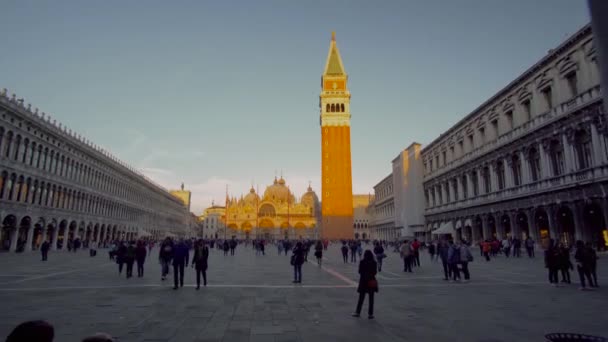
x,y
165,254
130,259
442,252
199,262
454,260
297,259
344,250
465,257
367,283
140,258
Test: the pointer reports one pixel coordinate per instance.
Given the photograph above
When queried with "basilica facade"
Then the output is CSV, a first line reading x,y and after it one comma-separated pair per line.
x,y
277,214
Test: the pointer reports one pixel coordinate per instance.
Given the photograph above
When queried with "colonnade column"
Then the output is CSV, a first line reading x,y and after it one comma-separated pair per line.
x,y
29,238
545,166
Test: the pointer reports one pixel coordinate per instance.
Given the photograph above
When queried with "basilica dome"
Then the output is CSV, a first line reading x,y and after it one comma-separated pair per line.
x,y
251,197
310,198
278,191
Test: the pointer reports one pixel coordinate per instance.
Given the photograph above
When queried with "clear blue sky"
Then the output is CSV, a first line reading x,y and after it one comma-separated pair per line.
x,y
220,92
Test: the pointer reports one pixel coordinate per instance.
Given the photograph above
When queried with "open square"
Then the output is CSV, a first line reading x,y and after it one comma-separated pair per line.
x,y
251,298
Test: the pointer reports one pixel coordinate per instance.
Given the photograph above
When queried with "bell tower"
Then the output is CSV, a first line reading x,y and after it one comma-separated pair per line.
x,y
336,175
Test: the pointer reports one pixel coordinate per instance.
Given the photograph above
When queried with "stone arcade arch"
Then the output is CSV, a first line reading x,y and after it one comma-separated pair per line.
x,y
9,232
595,223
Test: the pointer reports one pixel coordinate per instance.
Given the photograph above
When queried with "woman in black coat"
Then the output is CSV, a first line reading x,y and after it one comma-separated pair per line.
x,y
199,262
367,283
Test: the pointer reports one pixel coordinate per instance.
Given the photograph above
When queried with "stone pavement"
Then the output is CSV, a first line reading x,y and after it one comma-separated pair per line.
x,y
251,298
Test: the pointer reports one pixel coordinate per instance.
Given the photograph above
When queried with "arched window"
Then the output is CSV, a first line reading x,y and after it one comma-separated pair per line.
x,y
342,107
11,185
516,168
17,147
556,151
487,185
26,147
9,143
465,186
500,175
534,160
583,147
333,108
327,108
3,180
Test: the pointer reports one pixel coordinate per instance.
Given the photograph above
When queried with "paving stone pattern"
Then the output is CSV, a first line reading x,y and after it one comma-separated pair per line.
x,y
251,298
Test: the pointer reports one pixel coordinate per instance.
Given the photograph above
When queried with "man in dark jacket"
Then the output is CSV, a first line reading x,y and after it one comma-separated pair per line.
x,y
442,251
297,259
44,249
180,252
165,254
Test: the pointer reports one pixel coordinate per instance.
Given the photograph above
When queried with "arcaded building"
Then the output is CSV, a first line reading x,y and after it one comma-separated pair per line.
x,y
56,185
531,160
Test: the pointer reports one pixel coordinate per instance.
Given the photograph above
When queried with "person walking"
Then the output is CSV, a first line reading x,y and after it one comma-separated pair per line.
x,y
506,246
130,259
442,252
232,246
367,283
516,248
344,250
406,255
297,259
140,258
583,264
592,263
199,262
180,250
44,250
93,249
165,254
416,253
353,251
465,257
486,248
121,254
565,265
319,252
454,260
530,247
432,250
379,252
226,247
552,262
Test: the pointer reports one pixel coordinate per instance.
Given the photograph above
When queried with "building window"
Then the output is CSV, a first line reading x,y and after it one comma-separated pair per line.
x,y
557,157
464,187
494,124
572,83
437,161
445,159
500,175
516,170
452,156
475,182
527,108
534,159
509,120
426,197
447,192
425,169
455,188
471,142
583,147
486,180
548,97
482,135
461,147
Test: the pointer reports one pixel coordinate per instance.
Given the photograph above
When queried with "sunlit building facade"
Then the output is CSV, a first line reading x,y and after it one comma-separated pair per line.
x,y
277,214
56,185
531,160
211,222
